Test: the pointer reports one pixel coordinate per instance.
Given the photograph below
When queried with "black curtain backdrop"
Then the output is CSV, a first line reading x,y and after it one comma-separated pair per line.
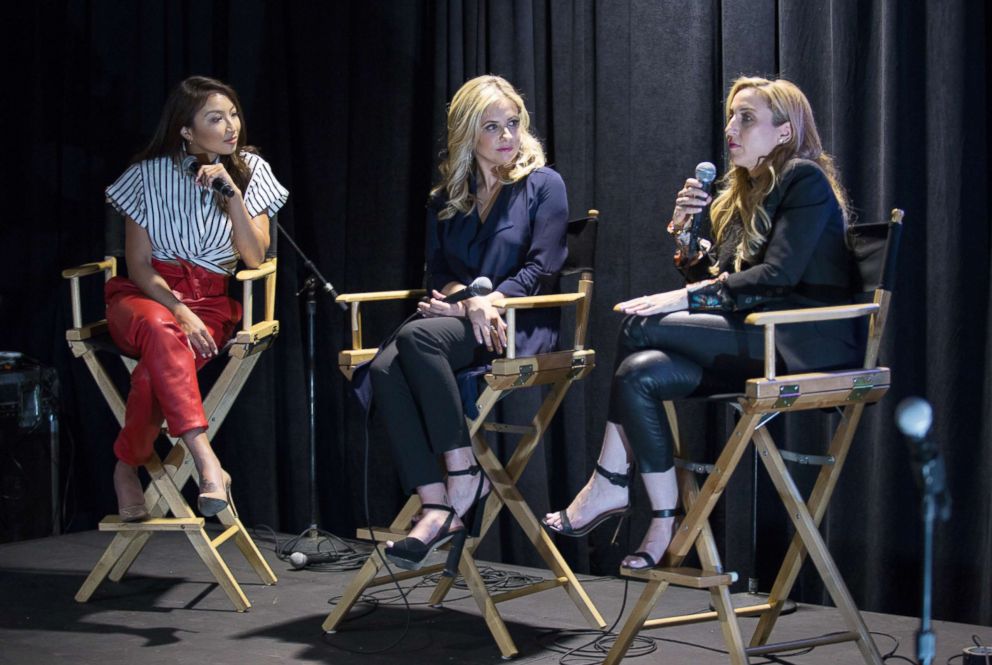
x,y
347,102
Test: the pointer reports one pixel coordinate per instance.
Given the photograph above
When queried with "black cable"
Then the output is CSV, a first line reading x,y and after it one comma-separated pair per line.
x,y
67,518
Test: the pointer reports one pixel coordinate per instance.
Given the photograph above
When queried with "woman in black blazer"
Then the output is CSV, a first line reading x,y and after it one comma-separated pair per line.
x,y
778,222
499,213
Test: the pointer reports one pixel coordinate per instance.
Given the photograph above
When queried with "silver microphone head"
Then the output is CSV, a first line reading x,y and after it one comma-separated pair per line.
x,y
191,164
914,415
481,286
705,173
297,559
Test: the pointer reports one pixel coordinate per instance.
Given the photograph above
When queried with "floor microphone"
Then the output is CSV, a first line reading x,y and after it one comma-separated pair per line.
x,y
300,560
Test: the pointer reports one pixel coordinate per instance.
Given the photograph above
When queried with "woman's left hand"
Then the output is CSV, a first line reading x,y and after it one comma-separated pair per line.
x,y
659,303
208,173
487,325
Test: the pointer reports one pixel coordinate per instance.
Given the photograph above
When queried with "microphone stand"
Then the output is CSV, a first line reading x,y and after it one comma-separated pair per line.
x,y
315,281
936,503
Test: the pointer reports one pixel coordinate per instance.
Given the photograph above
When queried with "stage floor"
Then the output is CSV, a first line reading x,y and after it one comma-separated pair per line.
x,y
168,610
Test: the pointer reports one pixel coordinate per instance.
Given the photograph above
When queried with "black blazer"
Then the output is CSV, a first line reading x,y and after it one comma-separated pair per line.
x,y
805,263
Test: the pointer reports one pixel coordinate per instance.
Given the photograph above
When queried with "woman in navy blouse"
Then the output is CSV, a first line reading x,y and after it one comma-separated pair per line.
x,y
779,225
183,239
497,212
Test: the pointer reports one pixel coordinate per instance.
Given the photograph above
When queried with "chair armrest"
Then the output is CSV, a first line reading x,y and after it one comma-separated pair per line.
x,y
511,305
265,268
810,314
355,299
770,319
534,302
90,268
371,296
109,269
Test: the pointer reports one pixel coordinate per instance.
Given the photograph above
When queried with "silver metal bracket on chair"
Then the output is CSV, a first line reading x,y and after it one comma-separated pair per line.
x,y
578,364
525,373
695,467
787,395
862,386
812,460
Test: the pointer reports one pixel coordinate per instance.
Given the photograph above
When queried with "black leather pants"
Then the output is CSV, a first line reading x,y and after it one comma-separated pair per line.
x,y
670,356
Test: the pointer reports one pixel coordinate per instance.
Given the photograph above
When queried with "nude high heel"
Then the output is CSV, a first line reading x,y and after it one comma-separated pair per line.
x,y
212,502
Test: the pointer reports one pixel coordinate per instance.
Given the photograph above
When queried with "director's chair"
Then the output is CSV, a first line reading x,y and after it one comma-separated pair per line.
x,y
875,247
163,496
559,370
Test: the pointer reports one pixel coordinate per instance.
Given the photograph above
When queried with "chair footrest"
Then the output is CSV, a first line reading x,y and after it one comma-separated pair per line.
x,y
382,534
537,587
687,577
114,523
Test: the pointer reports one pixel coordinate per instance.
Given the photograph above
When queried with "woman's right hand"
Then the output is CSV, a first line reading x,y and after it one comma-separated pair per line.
x,y
689,200
487,325
197,336
437,306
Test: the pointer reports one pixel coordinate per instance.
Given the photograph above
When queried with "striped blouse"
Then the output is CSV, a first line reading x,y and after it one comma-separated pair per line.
x,y
182,219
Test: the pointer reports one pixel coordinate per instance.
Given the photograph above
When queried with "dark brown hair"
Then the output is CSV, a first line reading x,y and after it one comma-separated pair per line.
x,y
181,107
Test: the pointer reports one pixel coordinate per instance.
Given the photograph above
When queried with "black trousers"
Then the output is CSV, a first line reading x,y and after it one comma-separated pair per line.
x,y
670,356
416,393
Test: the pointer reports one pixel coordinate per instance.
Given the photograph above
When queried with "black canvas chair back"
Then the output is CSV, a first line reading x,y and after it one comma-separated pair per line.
x,y
581,239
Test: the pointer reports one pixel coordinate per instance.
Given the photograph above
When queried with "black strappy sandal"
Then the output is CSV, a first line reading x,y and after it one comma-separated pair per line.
x,y
410,553
618,479
648,559
472,516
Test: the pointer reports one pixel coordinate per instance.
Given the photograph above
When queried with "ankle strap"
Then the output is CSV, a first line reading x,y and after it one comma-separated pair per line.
x,y
470,471
437,506
619,479
664,512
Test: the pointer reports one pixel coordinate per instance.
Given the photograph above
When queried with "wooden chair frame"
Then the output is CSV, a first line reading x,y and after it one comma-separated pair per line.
x,y
850,391
163,496
559,370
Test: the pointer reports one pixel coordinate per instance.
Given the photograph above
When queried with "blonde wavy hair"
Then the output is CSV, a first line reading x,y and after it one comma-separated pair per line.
x,y
742,193
458,163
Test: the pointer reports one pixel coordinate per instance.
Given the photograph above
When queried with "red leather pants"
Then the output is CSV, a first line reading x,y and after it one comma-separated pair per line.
x,y
164,384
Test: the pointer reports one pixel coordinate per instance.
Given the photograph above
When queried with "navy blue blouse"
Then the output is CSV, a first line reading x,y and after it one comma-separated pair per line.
x,y
520,247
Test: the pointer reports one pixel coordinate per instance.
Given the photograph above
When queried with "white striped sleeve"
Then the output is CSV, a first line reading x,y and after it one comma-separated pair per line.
x,y
127,194
264,192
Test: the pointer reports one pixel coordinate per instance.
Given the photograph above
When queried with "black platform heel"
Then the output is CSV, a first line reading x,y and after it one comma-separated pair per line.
x,y
410,553
618,479
648,559
474,515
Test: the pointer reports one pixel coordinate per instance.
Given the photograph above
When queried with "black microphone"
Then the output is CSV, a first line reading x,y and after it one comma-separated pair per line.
x,y
480,286
914,417
705,174
192,165
299,560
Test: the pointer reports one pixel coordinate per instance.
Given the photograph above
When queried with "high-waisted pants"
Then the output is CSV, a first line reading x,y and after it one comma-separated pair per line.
x,y
670,356
416,393
163,383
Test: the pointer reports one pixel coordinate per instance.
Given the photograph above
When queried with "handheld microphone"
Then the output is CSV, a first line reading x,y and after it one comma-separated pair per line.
x,y
299,560
480,286
706,174
192,166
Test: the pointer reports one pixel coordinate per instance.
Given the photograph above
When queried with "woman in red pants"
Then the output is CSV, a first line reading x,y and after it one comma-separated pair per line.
x,y
184,236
